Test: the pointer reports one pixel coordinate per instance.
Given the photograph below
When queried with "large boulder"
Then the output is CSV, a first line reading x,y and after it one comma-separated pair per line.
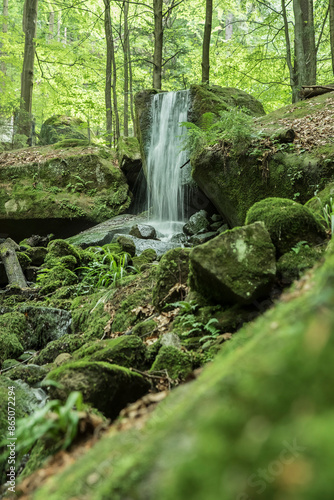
x,y
237,266
129,159
196,223
107,387
81,184
60,127
288,222
269,167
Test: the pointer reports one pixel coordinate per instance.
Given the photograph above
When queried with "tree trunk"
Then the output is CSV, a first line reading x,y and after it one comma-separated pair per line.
x,y
12,266
27,77
4,30
114,88
51,25
107,91
305,50
229,26
158,43
126,70
206,43
331,29
131,90
293,85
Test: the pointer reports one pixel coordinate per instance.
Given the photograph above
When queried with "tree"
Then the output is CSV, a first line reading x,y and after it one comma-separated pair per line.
x,y
206,42
4,27
305,49
331,30
27,79
111,76
158,43
126,51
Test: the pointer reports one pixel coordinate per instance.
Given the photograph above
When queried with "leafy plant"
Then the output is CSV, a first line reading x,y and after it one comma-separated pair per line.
x,y
104,270
233,127
55,421
301,244
328,211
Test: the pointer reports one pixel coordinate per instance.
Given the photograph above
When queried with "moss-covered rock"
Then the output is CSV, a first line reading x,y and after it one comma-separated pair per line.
x,y
67,343
61,127
213,99
127,350
288,222
143,120
141,261
37,255
109,388
173,270
177,363
89,316
31,374
292,265
126,244
237,266
61,248
79,185
129,158
57,276
13,326
318,203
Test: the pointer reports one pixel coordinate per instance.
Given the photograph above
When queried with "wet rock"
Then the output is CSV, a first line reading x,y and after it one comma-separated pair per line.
x,y
235,267
126,244
31,374
198,239
107,387
179,238
68,343
196,223
129,159
160,247
143,231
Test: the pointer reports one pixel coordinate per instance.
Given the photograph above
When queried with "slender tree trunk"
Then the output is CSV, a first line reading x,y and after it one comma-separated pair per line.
x,y
58,27
305,49
126,70
114,88
158,43
294,88
27,77
12,266
229,26
4,30
331,29
107,91
51,24
206,43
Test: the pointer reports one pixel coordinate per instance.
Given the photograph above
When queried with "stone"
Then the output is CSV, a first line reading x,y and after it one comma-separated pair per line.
x,y
129,159
171,279
177,363
143,231
60,127
126,350
171,339
62,358
198,239
126,244
196,223
107,387
288,222
237,266
31,374
68,343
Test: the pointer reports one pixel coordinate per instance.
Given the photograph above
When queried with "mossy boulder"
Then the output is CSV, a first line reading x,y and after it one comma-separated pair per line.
x,y
269,168
143,260
31,374
61,248
288,222
89,316
177,363
67,343
126,244
13,328
127,350
129,158
292,265
107,387
214,99
196,223
79,184
143,120
37,255
237,266
173,270
61,127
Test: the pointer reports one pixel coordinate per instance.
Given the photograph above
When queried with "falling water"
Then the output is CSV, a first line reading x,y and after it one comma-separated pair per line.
x,y
166,180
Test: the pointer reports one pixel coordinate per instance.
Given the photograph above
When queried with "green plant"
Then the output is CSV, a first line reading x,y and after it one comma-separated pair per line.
x,y
233,127
328,211
301,244
56,421
104,270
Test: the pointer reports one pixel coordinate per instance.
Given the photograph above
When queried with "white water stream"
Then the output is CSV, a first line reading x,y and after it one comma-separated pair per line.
x,y
166,180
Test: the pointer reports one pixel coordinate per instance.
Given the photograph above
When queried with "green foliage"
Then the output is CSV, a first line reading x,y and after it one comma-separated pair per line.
x,y
104,270
188,321
56,421
299,246
328,214
233,127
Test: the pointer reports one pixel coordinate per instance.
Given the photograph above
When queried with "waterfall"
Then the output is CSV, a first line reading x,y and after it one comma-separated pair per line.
x,y
166,181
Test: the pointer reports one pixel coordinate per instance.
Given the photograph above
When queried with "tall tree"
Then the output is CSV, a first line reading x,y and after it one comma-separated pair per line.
x,y
305,49
206,42
4,28
27,78
331,30
126,47
107,91
158,43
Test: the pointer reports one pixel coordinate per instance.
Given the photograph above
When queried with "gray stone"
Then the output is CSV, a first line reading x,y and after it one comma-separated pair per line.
x,y
171,339
237,266
198,239
196,223
143,231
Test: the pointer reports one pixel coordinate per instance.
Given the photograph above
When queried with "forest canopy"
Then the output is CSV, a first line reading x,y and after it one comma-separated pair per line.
x,y
89,57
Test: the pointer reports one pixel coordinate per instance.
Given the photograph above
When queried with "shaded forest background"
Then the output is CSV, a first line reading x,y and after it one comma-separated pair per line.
x,y
88,58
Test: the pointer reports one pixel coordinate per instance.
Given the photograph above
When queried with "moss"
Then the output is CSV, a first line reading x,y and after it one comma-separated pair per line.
x,y
40,452
127,245
13,326
144,328
124,317
24,259
61,248
318,202
288,223
67,343
37,255
52,279
141,261
292,265
31,374
61,127
93,379
177,364
127,350
71,143
173,269
9,363
88,315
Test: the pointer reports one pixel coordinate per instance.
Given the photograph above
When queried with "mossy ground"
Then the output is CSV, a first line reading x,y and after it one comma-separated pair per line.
x,y
257,420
